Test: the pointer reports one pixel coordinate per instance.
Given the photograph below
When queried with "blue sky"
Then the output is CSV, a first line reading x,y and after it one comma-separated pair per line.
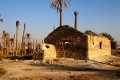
x,y
96,15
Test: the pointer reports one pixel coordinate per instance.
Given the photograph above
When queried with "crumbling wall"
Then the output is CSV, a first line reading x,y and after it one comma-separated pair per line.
x,y
45,52
72,49
98,46
69,43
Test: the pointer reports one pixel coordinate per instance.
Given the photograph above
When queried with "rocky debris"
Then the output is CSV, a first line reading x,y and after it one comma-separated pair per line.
x,y
16,60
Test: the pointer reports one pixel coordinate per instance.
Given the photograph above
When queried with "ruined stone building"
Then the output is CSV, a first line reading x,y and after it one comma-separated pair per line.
x,y
44,52
71,43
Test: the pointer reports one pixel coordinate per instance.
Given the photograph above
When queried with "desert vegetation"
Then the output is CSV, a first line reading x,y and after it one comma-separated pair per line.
x,y
2,71
10,47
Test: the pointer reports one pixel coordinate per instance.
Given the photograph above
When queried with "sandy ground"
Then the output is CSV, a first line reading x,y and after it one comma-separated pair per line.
x,y
100,68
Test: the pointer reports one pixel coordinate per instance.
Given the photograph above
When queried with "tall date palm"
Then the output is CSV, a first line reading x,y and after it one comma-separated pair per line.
x,y
17,26
28,40
23,40
58,4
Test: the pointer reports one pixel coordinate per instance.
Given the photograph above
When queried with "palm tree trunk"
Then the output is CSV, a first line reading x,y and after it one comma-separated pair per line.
x,y
19,47
23,39
33,45
2,44
28,48
36,43
24,49
60,18
11,48
17,25
2,49
16,41
13,51
60,12
8,47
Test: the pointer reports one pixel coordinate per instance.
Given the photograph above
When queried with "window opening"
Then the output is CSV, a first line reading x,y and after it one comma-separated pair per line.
x,y
47,46
100,45
66,45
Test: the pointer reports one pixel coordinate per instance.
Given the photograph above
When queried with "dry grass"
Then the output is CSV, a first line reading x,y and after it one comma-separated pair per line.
x,y
83,77
116,52
0,58
2,71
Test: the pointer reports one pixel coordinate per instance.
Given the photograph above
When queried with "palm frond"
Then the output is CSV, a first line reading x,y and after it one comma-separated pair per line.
x,y
56,4
65,5
1,20
68,2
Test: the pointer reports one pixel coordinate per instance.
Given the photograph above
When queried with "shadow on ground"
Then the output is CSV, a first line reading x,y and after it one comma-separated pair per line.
x,y
81,68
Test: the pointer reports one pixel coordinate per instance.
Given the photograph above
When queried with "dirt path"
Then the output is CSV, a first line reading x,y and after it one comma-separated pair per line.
x,y
62,69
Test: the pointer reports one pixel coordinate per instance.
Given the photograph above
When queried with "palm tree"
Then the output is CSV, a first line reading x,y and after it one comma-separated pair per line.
x,y
28,40
17,25
36,43
23,40
57,4
5,43
8,44
12,46
33,45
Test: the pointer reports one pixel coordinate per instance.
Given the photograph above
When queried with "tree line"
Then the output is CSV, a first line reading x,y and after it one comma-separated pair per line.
x,y
11,46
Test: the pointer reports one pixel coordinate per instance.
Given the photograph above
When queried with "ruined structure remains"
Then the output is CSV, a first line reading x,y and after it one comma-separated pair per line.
x,y
71,43
45,52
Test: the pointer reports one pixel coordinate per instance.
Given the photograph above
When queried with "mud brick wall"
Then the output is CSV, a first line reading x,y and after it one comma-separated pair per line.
x,y
98,46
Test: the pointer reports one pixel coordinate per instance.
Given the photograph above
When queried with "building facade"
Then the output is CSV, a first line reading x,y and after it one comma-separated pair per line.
x,y
71,43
